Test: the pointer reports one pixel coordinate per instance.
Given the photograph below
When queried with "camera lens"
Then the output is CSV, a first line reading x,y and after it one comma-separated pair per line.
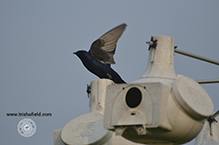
x,y
133,97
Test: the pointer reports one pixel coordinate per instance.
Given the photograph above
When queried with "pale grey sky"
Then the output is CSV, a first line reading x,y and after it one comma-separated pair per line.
x,y
39,72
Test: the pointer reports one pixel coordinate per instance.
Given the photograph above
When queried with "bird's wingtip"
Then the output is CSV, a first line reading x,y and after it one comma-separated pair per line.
x,y
124,24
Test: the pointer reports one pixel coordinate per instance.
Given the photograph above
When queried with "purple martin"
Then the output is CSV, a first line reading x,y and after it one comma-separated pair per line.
x,y
99,58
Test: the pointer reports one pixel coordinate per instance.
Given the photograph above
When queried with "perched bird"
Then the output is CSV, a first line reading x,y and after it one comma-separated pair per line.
x,y
100,56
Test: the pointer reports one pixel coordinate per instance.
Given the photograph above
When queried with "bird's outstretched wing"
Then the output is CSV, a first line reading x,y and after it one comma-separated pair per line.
x,y
104,48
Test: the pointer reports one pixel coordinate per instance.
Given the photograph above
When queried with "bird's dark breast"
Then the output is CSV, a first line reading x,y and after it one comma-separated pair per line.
x,y
104,71
97,68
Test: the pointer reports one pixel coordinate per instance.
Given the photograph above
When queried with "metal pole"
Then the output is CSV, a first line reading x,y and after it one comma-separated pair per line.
x,y
208,81
197,57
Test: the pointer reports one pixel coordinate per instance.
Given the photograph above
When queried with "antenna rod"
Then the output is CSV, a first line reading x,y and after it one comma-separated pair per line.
x,y
197,57
208,81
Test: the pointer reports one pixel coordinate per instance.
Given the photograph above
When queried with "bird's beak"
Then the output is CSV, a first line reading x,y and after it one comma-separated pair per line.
x,y
74,52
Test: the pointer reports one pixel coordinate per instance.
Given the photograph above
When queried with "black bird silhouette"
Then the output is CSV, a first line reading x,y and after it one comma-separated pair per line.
x,y
100,56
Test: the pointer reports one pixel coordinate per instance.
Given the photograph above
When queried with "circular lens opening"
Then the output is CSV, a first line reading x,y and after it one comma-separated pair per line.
x,y
133,97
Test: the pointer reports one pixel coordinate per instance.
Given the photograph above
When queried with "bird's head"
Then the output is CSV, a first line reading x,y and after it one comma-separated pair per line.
x,y
81,53
78,53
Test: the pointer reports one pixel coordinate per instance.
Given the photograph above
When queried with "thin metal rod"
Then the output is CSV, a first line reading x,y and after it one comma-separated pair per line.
x,y
197,57
215,114
208,81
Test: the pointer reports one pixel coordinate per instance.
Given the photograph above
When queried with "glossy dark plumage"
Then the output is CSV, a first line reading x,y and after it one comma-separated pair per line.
x,y
96,67
100,56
